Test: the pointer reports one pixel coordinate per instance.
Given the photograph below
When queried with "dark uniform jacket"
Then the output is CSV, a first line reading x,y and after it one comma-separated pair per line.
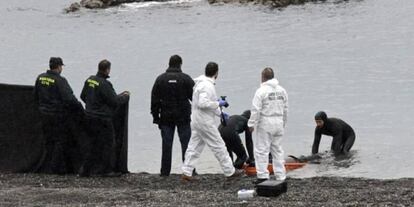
x,y
338,129
236,124
100,97
171,96
53,94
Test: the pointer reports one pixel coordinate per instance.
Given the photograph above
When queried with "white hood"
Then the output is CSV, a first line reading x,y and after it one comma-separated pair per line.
x,y
272,83
201,79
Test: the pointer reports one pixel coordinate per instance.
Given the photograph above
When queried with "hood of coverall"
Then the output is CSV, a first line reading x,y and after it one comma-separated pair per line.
x,y
272,83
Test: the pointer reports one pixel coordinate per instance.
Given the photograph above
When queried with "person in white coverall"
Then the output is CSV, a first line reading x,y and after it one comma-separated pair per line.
x,y
268,117
204,125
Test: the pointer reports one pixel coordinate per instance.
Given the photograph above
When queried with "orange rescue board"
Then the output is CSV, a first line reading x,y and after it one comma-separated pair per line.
x,y
251,171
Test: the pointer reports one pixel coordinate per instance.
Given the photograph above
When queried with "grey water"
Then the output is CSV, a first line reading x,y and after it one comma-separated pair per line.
x,y
354,59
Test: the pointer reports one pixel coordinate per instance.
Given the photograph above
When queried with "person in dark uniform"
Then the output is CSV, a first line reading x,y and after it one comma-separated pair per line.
x,y
235,125
343,134
56,102
171,108
101,102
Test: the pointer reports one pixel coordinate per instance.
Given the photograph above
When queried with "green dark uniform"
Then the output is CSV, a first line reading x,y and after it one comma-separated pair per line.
x,y
101,103
56,103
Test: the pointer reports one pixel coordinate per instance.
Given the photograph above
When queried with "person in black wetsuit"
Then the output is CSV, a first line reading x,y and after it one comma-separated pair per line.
x,y
343,134
235,125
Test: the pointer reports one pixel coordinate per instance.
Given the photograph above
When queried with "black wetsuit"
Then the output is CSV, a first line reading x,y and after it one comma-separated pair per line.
x,y
56,103
237,124
343,135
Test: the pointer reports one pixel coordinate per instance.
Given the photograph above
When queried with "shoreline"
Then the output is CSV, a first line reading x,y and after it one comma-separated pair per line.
x,y
143,189
103,4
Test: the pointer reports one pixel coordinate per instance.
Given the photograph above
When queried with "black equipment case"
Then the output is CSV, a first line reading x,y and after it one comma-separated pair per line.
x,y
271,188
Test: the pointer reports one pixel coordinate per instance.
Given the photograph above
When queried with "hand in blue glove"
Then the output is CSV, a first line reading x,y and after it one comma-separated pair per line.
x,y
226,116
222,102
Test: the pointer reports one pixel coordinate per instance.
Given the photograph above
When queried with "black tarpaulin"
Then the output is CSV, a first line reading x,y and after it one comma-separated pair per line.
x,y
21,139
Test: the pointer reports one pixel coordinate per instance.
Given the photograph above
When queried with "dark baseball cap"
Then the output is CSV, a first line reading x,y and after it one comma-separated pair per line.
x,y
55,61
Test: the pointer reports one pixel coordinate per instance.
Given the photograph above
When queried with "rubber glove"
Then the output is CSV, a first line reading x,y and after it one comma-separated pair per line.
x,y
222,103
225,116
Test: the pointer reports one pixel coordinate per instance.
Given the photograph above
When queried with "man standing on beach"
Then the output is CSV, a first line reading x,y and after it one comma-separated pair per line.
x,y
269,117
101,102
204,125
56,102
171,108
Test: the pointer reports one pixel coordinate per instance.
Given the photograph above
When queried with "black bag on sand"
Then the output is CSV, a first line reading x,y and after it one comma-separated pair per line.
x,y
271,188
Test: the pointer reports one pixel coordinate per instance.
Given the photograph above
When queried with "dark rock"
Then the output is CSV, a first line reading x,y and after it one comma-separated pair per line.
x,y
73,7
99,4
92,4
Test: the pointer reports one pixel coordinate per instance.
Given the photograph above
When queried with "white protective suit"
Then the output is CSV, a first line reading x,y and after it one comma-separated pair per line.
x,y
268,117
204,128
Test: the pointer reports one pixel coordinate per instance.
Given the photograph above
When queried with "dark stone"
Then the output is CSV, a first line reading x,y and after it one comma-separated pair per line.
x,y
73,7
92,4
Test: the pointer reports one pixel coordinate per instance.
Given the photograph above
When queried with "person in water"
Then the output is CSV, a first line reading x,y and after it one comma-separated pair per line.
x,y
342,133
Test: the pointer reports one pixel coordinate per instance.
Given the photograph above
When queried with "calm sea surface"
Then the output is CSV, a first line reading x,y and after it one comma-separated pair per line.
x,y
354,60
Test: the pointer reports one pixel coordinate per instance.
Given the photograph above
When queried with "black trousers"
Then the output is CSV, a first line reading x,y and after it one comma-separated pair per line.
x,y
167,134
58,144
348,143
234,144
99,146
345,144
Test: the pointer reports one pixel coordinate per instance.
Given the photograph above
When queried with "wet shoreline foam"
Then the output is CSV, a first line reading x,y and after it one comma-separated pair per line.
x,y
103,4
143,189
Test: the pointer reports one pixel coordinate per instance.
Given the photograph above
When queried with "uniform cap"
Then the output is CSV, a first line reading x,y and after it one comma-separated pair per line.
x,y
55,61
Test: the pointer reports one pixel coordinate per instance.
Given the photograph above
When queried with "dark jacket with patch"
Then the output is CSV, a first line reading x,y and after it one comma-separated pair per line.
x,y
53,95
100,97
338,129
171,96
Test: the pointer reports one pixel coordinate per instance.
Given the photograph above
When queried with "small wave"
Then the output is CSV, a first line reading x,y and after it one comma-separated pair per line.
x,y
138,5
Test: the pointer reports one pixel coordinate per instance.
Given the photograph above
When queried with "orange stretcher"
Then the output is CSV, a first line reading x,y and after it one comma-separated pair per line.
x,y
251,171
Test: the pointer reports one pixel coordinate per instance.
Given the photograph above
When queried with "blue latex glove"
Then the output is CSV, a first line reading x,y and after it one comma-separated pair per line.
x,y
222,103
226,116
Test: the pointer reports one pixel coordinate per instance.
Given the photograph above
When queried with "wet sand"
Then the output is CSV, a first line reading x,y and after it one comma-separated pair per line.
x,y
144,189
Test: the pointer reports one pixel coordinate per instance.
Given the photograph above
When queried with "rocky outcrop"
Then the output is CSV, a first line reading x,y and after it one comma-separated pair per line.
x,y
101,4
73,7
97,4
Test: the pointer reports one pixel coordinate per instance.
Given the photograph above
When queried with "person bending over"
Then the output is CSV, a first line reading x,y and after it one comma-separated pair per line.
x,y
235,125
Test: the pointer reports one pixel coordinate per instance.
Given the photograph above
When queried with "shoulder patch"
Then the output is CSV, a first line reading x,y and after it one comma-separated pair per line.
x,y
46,81
172,81
92,83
